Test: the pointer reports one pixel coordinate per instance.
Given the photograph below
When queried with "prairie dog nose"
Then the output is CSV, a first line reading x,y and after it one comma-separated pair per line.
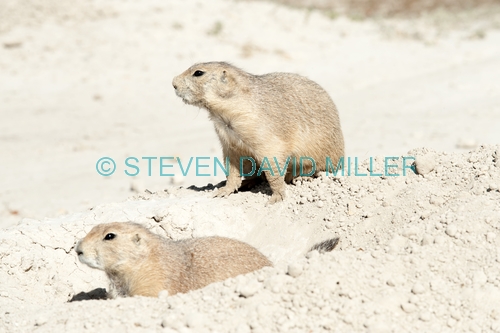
x,y
78,250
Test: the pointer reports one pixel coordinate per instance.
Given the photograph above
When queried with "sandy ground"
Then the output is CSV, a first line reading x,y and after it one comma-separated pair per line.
x,y
92,79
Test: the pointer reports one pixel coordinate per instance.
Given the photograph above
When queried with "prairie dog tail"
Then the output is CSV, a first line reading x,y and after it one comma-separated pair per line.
x,y
325,246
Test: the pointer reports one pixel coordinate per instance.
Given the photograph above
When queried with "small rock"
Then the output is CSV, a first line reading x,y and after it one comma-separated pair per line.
x,y
425,214
425,164
295,269
408,307
249,289
164,323
41,320
418,288
158,218
451,230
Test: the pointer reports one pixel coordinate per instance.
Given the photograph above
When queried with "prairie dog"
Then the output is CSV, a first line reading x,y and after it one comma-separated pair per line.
x,y
273,117
139,262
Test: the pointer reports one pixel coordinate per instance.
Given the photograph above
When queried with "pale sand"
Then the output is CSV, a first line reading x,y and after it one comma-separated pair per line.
x,y
90,80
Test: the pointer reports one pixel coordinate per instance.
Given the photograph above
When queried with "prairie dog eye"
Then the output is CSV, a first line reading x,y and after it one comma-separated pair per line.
x,y
198,73
109,236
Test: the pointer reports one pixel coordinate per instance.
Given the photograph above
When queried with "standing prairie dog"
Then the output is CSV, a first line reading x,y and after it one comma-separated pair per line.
x,y
271,117
139,262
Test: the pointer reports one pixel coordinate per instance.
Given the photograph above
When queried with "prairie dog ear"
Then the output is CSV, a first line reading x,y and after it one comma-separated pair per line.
x,y
224,77
226,89
137,239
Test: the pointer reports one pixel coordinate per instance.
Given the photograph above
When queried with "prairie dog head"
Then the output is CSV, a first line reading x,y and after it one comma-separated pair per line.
x,y
205,84
110,245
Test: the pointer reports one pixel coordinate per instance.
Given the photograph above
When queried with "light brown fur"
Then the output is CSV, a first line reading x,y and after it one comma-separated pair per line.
x,y
277,115
139,262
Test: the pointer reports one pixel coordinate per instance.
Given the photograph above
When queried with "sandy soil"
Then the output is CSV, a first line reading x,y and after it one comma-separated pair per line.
x,y
362,9
419,252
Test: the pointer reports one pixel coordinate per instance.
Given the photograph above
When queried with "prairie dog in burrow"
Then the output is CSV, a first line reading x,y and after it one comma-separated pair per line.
x,y
139,262
276,116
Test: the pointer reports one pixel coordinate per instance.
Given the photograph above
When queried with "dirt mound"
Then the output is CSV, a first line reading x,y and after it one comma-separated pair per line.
x,y
419,252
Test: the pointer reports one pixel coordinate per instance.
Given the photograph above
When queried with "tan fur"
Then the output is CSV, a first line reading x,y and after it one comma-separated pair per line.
x,y
139,262
275,115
